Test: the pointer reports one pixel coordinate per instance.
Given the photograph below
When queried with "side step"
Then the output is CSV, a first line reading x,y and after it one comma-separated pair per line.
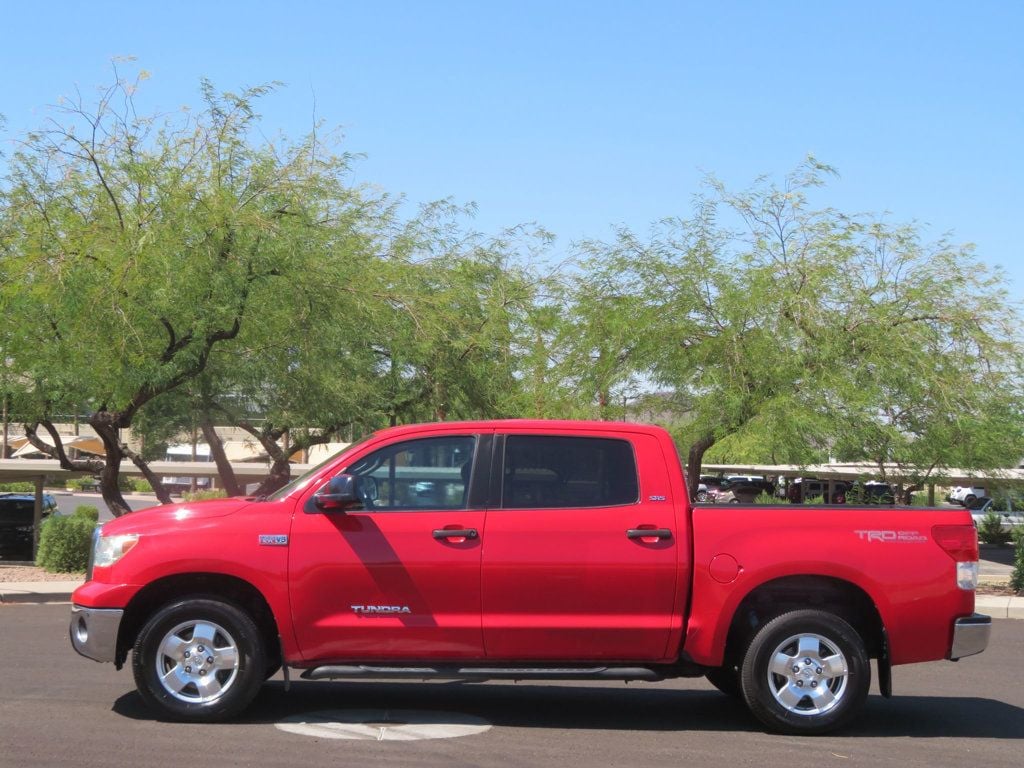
x,y
452,672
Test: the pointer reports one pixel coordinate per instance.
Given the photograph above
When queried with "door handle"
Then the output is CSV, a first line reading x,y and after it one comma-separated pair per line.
x,y
648,533
452,533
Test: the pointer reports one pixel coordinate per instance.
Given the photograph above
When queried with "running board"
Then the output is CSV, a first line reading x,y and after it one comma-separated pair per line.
x,y
341,671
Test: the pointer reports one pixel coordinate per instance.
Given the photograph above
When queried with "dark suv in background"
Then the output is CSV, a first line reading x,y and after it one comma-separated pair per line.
x,y
17,511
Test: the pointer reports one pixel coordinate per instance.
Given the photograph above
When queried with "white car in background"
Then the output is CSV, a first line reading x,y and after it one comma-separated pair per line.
x,y
1009,518
966,495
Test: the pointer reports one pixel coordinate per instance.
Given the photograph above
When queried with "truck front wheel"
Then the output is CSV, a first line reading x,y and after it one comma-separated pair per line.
x,y
805,672
199,659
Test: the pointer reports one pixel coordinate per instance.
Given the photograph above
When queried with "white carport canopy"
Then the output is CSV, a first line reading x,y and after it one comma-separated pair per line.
x,y
84,443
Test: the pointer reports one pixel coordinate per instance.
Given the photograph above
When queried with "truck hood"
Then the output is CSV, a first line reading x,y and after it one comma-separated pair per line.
x,y
170,516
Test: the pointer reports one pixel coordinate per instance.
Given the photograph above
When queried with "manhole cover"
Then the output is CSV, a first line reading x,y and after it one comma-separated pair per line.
x,y
383,724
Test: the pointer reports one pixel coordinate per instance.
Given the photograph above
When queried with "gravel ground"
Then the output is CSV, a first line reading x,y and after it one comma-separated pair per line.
x,y
9,573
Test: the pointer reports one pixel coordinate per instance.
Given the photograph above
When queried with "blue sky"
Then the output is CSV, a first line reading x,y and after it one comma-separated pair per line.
x,y
584,115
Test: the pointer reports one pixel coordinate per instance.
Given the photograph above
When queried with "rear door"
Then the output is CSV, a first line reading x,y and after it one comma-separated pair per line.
x,y
580,548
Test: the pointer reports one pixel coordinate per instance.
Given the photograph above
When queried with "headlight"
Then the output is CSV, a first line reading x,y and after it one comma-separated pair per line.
x,y
110,549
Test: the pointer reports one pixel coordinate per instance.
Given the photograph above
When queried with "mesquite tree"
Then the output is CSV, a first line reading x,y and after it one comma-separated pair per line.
x,y
135,247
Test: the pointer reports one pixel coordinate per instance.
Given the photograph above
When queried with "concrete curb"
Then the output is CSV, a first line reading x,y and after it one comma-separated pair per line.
x,y
37,591
1000,607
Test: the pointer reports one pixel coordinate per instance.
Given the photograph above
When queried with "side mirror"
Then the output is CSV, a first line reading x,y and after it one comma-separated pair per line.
x,y
338,495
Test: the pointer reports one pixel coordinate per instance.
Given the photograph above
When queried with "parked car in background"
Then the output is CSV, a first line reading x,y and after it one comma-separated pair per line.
x,y
966,495
709,484
870,492
803,489
17,519
1010,516
742,489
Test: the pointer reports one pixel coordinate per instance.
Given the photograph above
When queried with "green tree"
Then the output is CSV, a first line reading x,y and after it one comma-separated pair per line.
x,y
135,247
785,333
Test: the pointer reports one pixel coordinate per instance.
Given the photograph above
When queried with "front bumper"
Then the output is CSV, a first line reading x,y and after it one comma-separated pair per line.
x,y
970,636
94,631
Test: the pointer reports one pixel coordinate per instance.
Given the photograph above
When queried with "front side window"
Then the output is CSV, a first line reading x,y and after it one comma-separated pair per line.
x,y
548,472
432,473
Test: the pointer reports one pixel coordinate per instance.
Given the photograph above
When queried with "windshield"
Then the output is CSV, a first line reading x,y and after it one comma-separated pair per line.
x,y
303,479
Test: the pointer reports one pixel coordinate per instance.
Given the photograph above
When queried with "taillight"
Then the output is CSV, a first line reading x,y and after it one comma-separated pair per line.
x,y
960,542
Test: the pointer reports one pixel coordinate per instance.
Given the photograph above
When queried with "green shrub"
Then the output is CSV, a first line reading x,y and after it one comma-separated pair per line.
x,y
1017,576
64,544
141,485
817,501
88,511
80,483
765,498
991,531
17,488
216,493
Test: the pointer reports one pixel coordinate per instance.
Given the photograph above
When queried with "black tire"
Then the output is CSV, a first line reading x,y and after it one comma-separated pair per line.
x,y
702,496
969,499
823,683
727,680
199,660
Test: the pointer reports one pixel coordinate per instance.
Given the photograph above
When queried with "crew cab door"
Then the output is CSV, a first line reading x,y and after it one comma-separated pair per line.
x,y
568,572
397,577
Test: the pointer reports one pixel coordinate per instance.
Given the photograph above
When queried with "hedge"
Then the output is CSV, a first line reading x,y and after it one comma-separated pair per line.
x,y
64,543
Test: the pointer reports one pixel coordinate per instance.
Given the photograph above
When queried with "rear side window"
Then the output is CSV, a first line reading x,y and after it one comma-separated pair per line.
x,y
548,472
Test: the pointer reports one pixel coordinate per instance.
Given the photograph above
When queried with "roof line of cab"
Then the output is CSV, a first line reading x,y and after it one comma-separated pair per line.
x,y
545,424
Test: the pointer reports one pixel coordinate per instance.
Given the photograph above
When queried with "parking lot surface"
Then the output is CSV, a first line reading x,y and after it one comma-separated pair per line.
x,y
58,708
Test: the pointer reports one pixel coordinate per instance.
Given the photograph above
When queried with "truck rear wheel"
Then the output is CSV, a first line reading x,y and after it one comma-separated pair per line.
x,y
805,672
199,659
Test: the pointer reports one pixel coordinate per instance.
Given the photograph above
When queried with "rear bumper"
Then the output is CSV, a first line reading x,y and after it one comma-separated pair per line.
x,y
94,631
970,636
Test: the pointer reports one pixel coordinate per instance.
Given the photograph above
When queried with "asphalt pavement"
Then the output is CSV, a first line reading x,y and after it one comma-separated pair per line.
x,y
60,709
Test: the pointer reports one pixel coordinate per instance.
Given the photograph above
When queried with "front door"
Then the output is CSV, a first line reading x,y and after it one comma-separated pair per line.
x,y
388,581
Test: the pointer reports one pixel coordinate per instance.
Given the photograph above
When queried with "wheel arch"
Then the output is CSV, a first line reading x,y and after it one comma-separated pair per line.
x,y
215,586
781,595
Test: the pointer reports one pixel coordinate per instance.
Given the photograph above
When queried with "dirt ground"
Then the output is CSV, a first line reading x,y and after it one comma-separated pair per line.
x,y
9,573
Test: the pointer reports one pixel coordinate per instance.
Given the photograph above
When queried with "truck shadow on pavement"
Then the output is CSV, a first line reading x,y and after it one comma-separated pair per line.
x,y
620,708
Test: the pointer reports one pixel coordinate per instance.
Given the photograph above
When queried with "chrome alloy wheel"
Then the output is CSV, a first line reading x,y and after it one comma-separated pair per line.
x,y
808,674
197,662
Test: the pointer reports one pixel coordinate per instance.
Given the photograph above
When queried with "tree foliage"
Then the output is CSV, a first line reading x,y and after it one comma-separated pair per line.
x,y
784,333
134,247
170,273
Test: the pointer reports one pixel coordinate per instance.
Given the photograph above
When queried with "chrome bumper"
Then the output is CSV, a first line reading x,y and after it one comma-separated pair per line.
x,y
970,636
94,631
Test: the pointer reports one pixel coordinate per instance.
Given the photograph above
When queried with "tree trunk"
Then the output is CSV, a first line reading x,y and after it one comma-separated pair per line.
x,y
227,474
280,468
280,474
154,482
694,460
3,444
105,426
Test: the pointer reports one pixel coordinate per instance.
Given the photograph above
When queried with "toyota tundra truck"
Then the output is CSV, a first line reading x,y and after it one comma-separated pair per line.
x,y
519,550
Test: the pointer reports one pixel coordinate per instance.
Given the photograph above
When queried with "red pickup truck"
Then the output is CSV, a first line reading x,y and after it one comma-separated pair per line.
x,y
520,550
